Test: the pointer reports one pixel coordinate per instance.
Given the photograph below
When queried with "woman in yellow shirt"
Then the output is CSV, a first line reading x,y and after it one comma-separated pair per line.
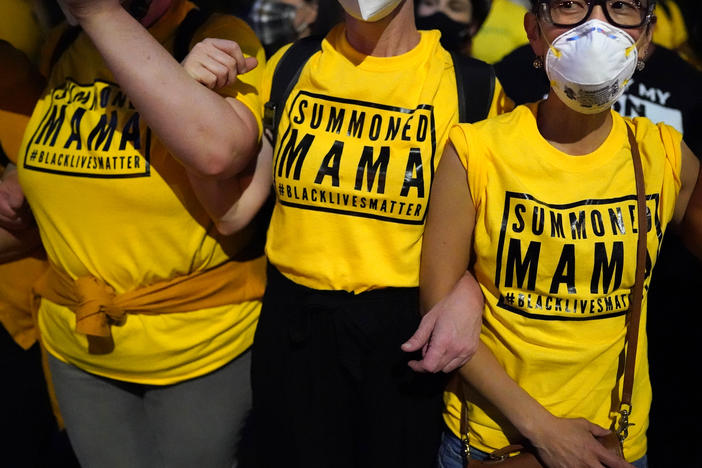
x,y
540,204
147,313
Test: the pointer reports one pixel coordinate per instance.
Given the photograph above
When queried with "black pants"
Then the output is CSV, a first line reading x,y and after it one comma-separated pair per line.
x,y
331,386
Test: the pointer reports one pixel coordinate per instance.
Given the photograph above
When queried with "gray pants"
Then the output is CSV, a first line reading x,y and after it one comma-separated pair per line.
x,y
197,422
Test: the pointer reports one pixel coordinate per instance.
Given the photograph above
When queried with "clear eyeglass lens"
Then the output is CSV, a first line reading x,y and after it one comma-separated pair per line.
x,y
621,12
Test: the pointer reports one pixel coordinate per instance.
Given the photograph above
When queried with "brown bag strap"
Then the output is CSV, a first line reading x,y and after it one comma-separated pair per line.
x,y
634,318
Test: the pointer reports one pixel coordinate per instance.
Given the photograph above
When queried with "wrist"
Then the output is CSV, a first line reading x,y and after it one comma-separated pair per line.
x,y
534,424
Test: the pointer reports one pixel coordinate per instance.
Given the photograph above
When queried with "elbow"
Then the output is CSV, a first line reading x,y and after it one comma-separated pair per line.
x,y
224,160
229,227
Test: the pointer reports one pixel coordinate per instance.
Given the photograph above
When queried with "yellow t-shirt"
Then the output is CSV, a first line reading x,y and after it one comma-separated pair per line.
x,y
555,247
501,33
358,144
111,202
20,27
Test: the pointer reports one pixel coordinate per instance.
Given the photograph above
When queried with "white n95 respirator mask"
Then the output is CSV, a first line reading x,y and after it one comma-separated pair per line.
x,y
369,10
590,65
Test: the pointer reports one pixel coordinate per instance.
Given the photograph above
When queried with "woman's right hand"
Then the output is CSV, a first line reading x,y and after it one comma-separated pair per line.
x,y
572,443
217,62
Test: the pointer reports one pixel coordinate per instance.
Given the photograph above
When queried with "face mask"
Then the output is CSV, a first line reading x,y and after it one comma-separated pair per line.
x,y
454,34
369,10
272,21
590,65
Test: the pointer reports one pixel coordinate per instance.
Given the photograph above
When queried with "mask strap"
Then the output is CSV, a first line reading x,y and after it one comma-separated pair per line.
x,y
553,49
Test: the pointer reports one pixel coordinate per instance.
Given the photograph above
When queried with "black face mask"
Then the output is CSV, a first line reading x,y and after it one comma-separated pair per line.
x,y
454,35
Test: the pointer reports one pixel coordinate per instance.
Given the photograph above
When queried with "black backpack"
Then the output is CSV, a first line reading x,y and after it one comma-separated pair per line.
x,y
475,82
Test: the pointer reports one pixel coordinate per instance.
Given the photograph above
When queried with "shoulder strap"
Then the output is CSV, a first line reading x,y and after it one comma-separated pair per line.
x,y
632,337
64,42
186,31
286,74
475,83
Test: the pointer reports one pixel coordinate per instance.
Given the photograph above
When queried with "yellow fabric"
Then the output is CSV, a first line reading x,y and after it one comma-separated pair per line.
x,y
113,204
358,229
19,26
555,293
670,30
501,33
97,307
16,278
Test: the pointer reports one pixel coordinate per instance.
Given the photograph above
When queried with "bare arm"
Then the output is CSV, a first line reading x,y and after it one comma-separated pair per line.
x,y
560,442
211,136
449,295
233,203
688,208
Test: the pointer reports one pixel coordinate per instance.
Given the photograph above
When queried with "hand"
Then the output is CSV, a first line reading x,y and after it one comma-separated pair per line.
x,y
14,210
571,443
449,333
216,62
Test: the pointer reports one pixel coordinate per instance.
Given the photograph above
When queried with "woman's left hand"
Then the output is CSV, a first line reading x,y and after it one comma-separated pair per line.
x,y
572,443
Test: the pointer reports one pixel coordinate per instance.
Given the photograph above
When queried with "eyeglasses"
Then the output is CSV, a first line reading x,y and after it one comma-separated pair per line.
x,y
620,13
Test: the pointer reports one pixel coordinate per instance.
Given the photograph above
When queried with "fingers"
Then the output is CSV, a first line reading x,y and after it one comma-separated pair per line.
x,y
430,363
233,50
421,336
597,431
217,62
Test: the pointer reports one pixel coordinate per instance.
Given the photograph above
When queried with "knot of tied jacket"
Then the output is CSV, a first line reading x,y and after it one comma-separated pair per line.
x,y
97,306
96,310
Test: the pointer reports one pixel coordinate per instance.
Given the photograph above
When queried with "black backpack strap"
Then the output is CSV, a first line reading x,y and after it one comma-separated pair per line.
x,y
475,83
64,42
186,31
286,74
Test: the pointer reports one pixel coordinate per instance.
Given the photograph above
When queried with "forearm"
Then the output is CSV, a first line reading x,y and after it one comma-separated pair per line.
x,y
446,246
232,203
485,374
208,134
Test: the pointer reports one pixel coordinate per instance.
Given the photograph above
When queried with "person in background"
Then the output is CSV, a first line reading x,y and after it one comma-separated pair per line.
x,y
458,21
671,30
692,49
502,31
555,322
147,312
279,22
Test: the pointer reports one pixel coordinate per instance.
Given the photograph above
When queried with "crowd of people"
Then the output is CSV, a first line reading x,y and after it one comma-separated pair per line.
x,y
353,233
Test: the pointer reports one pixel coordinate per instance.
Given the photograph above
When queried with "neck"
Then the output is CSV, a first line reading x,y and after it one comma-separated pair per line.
x,y
570,131
393,35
